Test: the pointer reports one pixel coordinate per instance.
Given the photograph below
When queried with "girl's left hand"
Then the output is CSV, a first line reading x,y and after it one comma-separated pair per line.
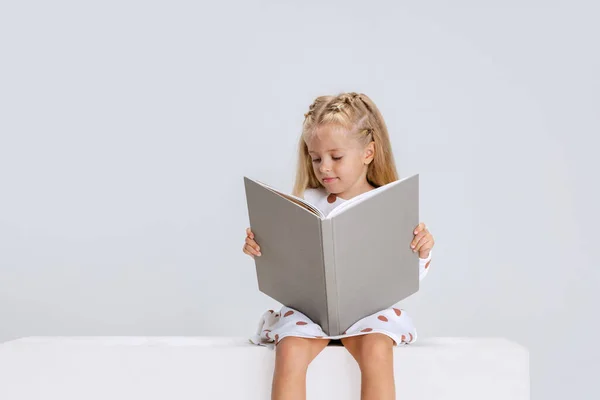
x,y
423,241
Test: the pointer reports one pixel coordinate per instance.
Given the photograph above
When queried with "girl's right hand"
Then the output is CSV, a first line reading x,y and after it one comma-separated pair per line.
x,y
250,246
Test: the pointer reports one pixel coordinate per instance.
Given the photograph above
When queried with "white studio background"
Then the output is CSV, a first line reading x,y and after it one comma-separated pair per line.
x,y
126,128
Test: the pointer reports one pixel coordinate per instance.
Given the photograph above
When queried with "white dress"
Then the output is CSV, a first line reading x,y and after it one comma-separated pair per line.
x,y
393,322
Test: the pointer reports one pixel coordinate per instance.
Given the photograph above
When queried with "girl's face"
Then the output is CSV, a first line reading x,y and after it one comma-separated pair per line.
x,y
339,161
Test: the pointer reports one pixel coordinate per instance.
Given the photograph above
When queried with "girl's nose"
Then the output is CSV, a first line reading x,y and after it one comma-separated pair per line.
x,y
325,167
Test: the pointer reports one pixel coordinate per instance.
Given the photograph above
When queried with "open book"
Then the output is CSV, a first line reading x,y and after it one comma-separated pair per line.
x,y
340,267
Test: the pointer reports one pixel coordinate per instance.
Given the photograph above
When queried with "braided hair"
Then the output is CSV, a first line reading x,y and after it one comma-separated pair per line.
x,y
358,115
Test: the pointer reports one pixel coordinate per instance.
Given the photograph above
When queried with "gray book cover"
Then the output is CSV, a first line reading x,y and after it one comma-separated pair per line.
x,y
340,267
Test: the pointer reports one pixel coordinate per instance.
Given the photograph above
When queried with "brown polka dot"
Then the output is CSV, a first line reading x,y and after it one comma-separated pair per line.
x,y
271,311
301,323
267,335
398,312
427,265
276,339
403,338
331,198
287,314
367,330
411,337
382,318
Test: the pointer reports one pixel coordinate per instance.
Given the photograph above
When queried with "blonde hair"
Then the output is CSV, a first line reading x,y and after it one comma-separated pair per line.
x,y
360,117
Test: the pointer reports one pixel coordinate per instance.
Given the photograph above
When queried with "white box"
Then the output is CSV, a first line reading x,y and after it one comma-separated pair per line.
x,y
181,368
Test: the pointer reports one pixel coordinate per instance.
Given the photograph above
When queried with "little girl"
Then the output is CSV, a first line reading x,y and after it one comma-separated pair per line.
x,y
344,150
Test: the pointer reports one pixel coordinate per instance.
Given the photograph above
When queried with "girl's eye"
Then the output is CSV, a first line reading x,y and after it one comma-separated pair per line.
x,y
333,158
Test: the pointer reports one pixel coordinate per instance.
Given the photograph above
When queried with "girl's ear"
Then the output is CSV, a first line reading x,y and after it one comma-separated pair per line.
x,y
369,153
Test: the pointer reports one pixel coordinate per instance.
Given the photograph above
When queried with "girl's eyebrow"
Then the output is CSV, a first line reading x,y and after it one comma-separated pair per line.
x,y
311,152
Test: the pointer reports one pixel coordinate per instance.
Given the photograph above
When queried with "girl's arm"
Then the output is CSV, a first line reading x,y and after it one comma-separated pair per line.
x,y
424,265
422,242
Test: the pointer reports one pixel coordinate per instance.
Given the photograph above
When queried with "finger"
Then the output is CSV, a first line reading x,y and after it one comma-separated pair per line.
x,y
252,244
418,237
249,233
246,251
251,250
416,230
415,243
430,239
419,228
423,244
255,247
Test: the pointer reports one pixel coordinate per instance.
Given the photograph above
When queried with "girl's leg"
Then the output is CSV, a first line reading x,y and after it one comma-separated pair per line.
x,y
375,357
292,357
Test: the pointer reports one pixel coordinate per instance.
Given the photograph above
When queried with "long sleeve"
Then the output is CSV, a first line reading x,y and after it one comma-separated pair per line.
x,y
424,265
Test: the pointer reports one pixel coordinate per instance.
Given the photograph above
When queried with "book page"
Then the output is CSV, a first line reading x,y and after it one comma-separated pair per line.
x,y
362,197
294,199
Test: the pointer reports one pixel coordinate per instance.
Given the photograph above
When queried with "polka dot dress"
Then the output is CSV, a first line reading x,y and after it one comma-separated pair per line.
x,y
274,326
394,322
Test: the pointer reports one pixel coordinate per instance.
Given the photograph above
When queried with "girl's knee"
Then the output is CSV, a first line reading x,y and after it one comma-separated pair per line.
x,y
376,348
296,353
